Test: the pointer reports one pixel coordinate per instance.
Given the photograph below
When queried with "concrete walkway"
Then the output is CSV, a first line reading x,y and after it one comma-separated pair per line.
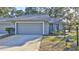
x,y
20,43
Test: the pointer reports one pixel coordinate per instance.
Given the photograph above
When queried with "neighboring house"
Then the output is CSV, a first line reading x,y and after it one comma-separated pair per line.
x,y
32,24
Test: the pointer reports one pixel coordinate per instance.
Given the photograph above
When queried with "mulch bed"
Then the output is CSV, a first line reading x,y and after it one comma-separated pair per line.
x,y
57,45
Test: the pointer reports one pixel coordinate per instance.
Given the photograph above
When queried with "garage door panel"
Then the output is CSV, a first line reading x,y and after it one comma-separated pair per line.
x,y
30,28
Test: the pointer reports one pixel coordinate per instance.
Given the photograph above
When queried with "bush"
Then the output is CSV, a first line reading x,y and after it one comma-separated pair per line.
x,y
9,30
72,37
61,32
58,33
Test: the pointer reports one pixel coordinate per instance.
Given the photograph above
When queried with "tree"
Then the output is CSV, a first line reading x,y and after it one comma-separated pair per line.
x,y
69,16
12,11
19,13
5,11
57,12
72,14
36,10
31,10
43,10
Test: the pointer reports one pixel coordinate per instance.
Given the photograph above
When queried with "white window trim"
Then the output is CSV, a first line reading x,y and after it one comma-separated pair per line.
x,y
28,22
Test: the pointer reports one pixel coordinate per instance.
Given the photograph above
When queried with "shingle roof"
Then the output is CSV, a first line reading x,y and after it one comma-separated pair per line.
x,y
28,17
6,19
33,17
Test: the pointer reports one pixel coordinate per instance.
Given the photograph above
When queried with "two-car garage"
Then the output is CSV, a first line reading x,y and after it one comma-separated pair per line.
x,y
32,28
32,25
29,28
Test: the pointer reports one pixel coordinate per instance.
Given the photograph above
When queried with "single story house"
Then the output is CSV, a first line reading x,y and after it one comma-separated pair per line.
x,y
32,24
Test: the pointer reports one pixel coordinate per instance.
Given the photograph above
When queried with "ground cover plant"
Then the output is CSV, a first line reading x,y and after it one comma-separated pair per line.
x,y
56,43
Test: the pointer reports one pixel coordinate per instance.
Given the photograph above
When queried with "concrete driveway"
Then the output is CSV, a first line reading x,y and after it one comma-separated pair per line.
x,y
21,43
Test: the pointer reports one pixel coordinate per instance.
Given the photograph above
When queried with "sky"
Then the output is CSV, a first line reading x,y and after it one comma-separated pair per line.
x,y
20,8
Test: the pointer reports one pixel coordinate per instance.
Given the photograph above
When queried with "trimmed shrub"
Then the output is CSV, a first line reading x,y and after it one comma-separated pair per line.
x,y
9,30
58,33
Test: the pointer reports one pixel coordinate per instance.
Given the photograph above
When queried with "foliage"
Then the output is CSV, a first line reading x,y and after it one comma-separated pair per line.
x,y
36,10
70,14
56,12
9,30
72,36
51,39
58,32
5,11
30,10
19,13
12,12
77,48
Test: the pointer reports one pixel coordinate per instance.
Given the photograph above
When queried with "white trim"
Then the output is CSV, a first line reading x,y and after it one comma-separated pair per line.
x,y
15,28
43,28
27,22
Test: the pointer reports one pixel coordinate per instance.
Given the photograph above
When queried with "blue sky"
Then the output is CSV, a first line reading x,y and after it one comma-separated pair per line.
x,y
20,8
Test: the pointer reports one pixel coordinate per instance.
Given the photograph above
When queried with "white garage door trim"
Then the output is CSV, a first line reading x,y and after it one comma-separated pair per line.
x,y
27,22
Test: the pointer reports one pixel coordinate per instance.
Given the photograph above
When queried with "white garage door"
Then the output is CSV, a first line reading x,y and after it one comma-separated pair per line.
x,y
30,28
